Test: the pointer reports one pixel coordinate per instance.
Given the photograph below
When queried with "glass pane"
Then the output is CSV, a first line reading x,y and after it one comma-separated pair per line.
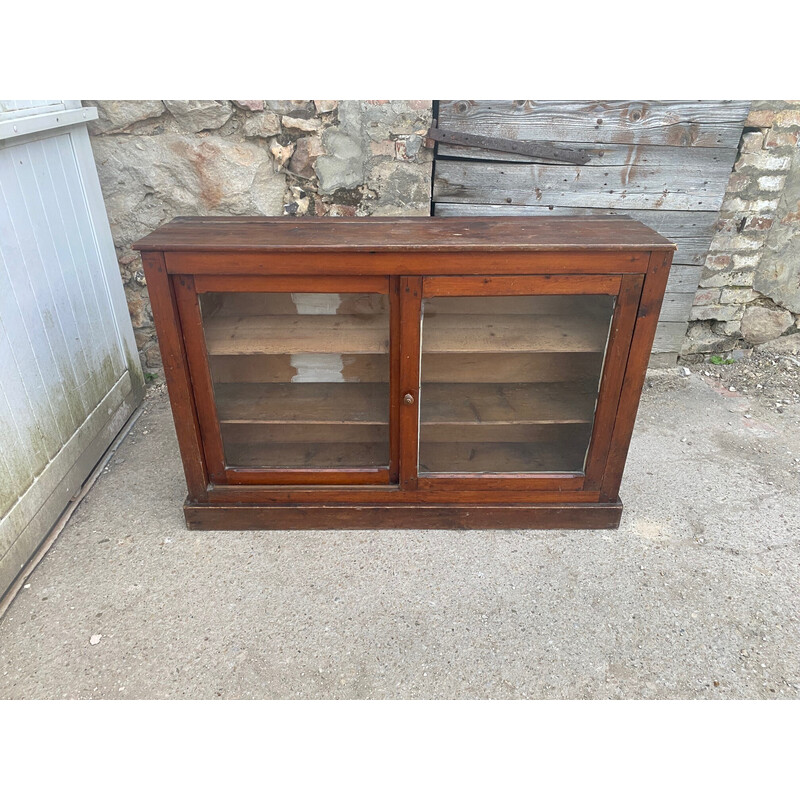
x,y
510,384
300,380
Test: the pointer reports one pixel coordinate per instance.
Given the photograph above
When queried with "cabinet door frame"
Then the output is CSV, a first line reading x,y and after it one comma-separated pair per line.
x,y
626,288
187,290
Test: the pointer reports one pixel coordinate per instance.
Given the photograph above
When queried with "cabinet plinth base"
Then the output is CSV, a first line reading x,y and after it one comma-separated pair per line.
x,y
203,516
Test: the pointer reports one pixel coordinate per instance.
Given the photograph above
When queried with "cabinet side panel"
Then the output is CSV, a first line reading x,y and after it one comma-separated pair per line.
x,y
635,370
179,386
622,327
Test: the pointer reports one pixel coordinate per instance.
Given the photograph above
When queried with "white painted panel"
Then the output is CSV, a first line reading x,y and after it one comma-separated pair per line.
x,y
70,374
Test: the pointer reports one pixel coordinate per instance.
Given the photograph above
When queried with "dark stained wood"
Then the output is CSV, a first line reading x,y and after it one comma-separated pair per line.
x,y
403,234
462,286
395,370
614,369
514,339
315,476
176,372
292,283
410,350
202,387
543,262
467,492
327,517
505,458
635,371
307,455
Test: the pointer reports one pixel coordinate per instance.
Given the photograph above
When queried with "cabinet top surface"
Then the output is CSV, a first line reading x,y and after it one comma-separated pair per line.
x,y
393,234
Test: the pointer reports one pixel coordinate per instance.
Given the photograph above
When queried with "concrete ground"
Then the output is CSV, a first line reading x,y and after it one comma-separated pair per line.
x,y
695,596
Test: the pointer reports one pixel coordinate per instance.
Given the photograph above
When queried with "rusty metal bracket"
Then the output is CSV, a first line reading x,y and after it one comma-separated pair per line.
x,y
536,149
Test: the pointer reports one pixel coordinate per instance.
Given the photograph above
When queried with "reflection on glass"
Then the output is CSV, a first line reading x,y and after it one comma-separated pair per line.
x,y
300,380
510,384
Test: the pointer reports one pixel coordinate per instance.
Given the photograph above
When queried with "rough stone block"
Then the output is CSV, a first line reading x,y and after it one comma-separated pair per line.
x,y
705,297
306,152
760,118
788,119
718,261
715,312
728,278
300,124
199,115
296,108
343,166
700,338
760,324
325,106
250,105
777,139
752,142
758,223
764,162
116,115
262,125
738,295
784,345
771,183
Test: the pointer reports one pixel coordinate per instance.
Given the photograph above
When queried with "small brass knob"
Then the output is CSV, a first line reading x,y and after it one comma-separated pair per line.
x,y
408,399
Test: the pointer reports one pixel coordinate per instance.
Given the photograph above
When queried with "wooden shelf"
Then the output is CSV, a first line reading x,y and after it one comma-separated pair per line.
x,y
290,334
560,434
265,433
441,333
500,458
510,367
302,367
479,333
441,403
338,403
323,455
507,403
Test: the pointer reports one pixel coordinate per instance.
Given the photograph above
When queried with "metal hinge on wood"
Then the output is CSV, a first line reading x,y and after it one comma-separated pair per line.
x,y
536,149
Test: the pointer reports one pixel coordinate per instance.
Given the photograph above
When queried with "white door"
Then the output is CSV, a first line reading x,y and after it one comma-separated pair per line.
x,y
69,371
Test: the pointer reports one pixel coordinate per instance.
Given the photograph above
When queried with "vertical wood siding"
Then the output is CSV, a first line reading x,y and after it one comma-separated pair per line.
x,y
63,349
666,164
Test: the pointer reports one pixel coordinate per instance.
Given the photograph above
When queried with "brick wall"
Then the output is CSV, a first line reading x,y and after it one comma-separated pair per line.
x,y
749,292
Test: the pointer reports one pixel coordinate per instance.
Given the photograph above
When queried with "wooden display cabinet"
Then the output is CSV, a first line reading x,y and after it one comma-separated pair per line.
x,y
404,372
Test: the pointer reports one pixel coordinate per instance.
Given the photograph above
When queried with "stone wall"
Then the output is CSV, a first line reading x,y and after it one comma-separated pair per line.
x,y
158,159
750,288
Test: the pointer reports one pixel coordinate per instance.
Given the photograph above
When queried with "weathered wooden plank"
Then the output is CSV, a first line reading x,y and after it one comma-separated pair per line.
x,y
684,278
693,237
586,186
669,337
713,123
608,155
673,224
676,306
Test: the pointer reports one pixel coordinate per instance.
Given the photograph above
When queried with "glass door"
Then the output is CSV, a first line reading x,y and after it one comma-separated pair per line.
x,y
516,378
298,376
